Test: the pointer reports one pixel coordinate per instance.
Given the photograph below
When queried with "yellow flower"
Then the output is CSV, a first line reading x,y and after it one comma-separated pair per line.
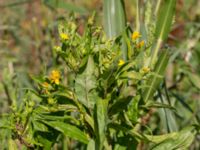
x,y
55,76
140,44
64,36
135,35
145,70
121,62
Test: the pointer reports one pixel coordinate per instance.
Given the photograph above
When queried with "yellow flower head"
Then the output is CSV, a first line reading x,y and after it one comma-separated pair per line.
x,y
135,35
145,70
55,76
121,62
140,44
64,36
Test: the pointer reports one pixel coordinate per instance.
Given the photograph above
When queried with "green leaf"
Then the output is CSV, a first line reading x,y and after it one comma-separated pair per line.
x,y
114,17
158,105
160,138
85,84
165,19
115,20
129,131
194,79
155,80
45,139
133,109
89,120
163,26
120,105
101,122
179,140
40,126
91,145
167,117
12,145
133,75
68,130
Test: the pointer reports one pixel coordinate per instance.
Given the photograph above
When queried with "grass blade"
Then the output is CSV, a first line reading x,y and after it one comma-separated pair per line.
x,y
163,26
115,21
155,80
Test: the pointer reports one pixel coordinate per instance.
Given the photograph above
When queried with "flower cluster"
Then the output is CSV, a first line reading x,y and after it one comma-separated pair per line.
x,y
135,36
55,77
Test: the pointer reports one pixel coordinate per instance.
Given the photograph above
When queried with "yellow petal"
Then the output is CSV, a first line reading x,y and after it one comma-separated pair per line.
x,y
121,62
136,35
140,44
64,36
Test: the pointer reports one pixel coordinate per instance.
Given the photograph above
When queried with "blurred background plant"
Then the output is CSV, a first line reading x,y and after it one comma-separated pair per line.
x,y
28,33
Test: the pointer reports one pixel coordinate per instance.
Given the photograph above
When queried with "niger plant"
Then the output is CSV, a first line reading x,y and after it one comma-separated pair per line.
x,y
100,94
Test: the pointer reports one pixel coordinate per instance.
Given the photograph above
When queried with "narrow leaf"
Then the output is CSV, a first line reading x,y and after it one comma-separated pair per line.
x,y
155,80
181,140
115,20
68,130
101,121
163,26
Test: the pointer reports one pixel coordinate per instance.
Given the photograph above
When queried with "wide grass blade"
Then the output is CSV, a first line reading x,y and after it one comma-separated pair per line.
x,y
114,17
115,20
167,117
163,26
155,79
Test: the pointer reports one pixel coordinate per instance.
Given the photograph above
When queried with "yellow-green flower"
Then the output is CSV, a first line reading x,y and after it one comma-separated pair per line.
x,y
135,35
57,48
45,85
145,70
55,77
121,62
64,36
140,44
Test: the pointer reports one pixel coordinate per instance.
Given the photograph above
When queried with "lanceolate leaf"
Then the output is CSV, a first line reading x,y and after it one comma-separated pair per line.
x,y
155,80
101,121
68,130
178,140
167,117
85,84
